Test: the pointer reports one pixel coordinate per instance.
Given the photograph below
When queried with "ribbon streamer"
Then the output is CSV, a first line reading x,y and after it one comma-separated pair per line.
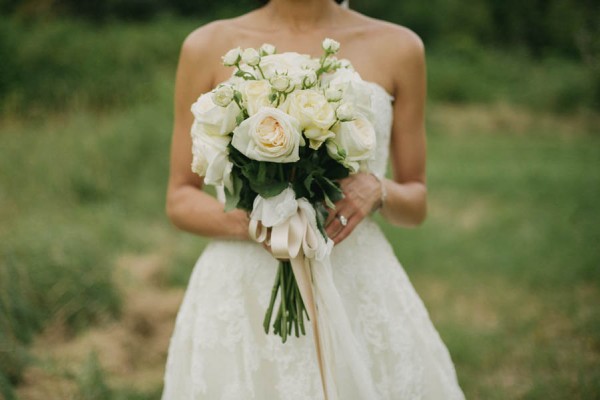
x,y
297,238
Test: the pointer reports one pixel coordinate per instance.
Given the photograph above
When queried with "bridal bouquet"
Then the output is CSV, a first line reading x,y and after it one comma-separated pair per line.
x,y
277,136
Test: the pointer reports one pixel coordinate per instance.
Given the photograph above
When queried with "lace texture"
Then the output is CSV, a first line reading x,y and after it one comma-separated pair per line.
x,y
219,351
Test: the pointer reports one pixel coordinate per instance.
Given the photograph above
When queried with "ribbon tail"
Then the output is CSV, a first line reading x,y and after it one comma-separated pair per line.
x,y
339,347
301,268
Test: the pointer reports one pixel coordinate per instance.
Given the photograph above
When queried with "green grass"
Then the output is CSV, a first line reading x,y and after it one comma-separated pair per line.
x,y
507,261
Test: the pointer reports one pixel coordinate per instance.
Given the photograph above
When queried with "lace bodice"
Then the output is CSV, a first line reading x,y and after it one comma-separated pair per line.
x,y
381,104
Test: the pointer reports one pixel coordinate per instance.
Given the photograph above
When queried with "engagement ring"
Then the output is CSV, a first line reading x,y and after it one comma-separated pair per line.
x,y
343,220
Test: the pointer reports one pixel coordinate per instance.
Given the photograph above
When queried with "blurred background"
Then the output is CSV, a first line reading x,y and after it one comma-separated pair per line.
x,y
508,261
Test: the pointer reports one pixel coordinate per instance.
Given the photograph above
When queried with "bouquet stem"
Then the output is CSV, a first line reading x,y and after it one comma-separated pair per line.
x,y
290,315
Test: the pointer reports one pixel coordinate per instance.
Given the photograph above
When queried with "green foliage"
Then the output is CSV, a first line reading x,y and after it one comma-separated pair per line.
x,y
467,73
84,185
57,66
542,27
6,388
53,67
92,381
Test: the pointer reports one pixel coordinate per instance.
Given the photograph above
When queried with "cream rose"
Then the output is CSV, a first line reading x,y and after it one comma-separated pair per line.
x,y
251,56
267,49
293,64
269,135
210,157
311,108
315,114
353,144
255,95
223,95
214,119
354,89
330,46
232,57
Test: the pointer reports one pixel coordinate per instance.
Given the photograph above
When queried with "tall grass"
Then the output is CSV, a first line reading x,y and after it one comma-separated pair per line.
x,y
65,64
464,72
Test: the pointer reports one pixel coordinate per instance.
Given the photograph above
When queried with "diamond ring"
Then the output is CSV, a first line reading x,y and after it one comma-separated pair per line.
x,y
343,220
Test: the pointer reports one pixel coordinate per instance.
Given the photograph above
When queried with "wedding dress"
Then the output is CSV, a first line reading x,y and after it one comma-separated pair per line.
x,y
219,351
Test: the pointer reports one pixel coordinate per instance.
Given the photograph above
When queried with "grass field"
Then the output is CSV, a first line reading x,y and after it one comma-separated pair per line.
x,y
508,261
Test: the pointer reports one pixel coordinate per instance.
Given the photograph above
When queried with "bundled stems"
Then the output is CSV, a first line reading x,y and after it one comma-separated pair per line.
x,y
291,312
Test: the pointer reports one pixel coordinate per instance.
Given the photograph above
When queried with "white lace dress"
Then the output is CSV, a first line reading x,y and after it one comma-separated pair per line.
x,y
219,351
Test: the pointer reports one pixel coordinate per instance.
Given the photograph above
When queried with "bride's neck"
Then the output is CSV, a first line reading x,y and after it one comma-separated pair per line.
x,y
301,15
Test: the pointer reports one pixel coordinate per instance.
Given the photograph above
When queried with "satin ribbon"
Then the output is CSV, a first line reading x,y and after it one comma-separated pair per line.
x,y
298,239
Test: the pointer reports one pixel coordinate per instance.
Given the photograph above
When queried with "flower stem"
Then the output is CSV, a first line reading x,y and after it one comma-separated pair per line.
x,y
267,320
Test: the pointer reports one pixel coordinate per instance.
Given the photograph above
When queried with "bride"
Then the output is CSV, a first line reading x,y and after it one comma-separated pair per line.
x,y
218,349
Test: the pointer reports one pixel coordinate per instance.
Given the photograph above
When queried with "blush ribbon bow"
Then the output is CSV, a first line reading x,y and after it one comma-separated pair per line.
x,y
295,236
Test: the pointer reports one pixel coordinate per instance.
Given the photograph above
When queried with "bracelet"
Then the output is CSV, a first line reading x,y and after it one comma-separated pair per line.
x,y
381,202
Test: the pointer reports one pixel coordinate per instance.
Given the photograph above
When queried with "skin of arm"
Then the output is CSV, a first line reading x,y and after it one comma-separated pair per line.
x,y
187,206
406,201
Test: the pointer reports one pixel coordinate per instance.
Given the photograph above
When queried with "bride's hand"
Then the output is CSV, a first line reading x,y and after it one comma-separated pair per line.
x,y
362,193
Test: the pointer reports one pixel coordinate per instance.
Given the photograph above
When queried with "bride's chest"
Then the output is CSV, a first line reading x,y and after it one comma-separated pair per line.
x,y
366,58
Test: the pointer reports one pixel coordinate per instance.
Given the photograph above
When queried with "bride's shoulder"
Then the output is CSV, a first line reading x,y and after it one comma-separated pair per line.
x,y
389,38
210,37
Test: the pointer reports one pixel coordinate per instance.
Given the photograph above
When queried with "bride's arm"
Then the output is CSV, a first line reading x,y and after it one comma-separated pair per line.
x,y
187,206
406,201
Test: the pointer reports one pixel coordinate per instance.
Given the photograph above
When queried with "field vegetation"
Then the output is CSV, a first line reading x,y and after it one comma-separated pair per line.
x,y
91,272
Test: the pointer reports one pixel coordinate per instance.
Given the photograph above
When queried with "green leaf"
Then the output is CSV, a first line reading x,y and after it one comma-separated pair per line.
x,y
261,176
322,215
240,117
270,189
233,198
331,189
308,181
328,201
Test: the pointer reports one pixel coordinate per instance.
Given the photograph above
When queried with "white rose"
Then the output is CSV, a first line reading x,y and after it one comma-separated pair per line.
x,y
310,78
255,94
311,108
267,49
251,57
345,112
222,95
316,137
329,63
354,89
232,57
214,119
330,46
291,63
345,63
210,157
333,94
353,144
269,135
281,83
315,114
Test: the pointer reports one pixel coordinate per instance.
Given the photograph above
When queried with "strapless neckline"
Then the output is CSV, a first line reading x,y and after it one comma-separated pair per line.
x,y
380,88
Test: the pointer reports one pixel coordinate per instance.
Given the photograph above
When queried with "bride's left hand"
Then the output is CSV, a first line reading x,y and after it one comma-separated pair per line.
x,y
362,193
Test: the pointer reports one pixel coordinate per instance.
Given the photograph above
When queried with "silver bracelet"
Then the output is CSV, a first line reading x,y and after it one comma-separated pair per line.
x,y
383,194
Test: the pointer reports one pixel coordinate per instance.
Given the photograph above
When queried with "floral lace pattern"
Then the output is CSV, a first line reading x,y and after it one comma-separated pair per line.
x,y
219,351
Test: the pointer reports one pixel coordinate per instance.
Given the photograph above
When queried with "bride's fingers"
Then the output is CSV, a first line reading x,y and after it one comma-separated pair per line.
x,y
335,226
347,230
